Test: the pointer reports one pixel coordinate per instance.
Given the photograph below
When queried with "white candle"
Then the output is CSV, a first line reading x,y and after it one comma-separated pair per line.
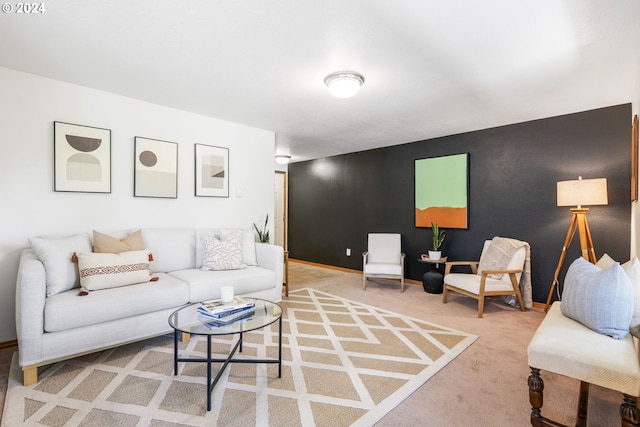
x,y
226,294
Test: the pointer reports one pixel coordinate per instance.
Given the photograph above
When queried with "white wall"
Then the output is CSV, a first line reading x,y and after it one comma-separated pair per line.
x,y
29,207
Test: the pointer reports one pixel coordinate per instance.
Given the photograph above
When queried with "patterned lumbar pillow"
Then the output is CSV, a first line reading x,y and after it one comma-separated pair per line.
x,y
600,299
224,254
106,270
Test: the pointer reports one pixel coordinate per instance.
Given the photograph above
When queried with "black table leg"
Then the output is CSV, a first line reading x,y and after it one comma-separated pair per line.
x,y
209,387
175,352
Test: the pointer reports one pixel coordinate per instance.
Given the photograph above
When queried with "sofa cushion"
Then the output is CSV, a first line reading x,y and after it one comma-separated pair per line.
x,y
104,243
222,254
67,310
55,254
601,300
172,248
111,270
204,285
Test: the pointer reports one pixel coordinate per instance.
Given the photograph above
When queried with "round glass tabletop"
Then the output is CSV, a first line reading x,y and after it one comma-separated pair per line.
x,y
187,319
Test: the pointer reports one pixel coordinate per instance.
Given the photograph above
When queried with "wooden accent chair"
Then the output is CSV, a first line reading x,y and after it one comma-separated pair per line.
x,y
383,259
486,283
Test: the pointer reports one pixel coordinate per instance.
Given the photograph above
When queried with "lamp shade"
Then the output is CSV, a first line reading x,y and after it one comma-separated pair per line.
x,y
583,192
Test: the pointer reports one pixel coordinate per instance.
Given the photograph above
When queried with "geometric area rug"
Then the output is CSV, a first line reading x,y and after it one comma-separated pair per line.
x,y
344,364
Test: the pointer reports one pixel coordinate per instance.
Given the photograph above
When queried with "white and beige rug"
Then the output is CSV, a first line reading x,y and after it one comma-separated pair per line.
x,y
344,364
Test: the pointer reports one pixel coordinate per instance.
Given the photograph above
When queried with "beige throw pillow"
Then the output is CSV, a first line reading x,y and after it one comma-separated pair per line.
x,y
103,243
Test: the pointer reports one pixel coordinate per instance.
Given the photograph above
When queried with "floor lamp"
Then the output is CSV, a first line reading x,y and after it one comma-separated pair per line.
x,y
578,193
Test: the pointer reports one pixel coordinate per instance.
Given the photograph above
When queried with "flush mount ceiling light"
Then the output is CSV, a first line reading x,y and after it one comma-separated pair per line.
x,y
344,84
283,159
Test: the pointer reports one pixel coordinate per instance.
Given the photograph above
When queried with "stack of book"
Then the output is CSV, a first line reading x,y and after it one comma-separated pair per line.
x,y
225,313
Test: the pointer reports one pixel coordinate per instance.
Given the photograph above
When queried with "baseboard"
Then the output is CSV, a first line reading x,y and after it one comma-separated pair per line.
x,y
345,270
7,344
536,305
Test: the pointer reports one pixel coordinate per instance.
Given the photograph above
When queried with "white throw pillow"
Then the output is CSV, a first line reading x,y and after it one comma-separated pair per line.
x,y
248,245
605,261
632,268
224,254
601,300
107,270
55,254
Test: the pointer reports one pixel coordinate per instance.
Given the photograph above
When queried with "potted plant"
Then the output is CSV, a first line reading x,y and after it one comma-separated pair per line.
x,y
438,238
263,236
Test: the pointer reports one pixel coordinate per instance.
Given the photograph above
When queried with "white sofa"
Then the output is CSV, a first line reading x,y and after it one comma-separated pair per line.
x,y
65,325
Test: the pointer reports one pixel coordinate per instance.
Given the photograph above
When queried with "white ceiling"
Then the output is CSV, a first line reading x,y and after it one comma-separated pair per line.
x,y
432,68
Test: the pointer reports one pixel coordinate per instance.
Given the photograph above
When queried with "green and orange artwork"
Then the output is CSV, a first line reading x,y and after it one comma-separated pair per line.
x,y
441,191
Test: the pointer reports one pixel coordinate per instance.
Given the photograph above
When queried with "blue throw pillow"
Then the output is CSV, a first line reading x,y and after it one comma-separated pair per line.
x,y
601,300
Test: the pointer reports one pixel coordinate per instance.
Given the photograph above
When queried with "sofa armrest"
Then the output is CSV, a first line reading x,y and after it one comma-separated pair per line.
x,y
272,257
30,300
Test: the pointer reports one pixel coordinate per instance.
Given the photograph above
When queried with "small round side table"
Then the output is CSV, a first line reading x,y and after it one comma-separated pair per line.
x,y
433,280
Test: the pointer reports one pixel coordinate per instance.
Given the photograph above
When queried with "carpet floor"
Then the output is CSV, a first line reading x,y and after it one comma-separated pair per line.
x,y
483,386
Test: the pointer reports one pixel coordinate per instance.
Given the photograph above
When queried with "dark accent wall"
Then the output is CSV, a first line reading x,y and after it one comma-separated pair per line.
x,y
335,201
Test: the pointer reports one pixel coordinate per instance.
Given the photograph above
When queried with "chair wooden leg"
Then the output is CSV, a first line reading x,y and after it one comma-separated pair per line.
x,y
364,282
536,388
629,412
583,405
402,284
480,307
444,294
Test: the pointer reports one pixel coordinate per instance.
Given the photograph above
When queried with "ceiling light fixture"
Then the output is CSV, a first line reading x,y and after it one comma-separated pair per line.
x,y
344,84
283,159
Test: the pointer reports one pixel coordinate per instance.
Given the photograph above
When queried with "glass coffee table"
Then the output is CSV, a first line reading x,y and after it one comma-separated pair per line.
x,y
187,320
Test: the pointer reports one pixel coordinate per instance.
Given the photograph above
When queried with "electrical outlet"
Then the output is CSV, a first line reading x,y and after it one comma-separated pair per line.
x,y
348,252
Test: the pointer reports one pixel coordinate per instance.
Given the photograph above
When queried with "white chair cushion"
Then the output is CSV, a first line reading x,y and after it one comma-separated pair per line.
x,y
383,268
567,347
471,283
384,248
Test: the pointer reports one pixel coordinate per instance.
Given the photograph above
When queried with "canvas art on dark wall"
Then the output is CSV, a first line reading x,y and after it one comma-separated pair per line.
x,y
441,191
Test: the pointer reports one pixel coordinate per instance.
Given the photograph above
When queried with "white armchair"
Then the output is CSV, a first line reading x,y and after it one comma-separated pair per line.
x,y
383,259
498,272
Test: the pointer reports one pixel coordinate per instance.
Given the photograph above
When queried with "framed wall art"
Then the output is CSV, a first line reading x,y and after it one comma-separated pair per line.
x,y
441,191
82,158
211,171
156,168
